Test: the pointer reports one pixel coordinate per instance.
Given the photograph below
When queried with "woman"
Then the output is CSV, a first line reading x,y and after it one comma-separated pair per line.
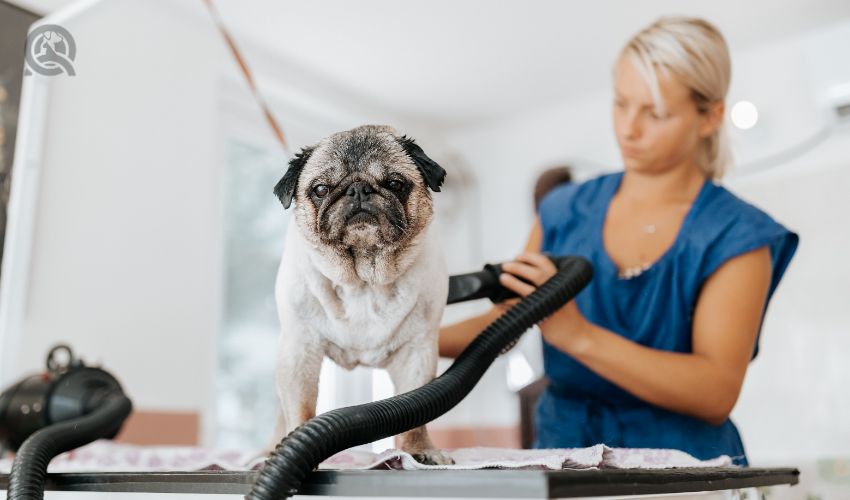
x,y
652,354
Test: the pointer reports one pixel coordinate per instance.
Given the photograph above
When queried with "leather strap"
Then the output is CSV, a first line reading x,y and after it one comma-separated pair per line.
x,y
249,77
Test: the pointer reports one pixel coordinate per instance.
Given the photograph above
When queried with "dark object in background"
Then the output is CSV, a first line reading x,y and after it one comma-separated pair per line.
x,y
528,397
550,179
14,25
530,394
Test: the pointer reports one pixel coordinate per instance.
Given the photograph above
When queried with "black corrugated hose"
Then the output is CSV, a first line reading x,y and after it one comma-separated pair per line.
x,y
306,447
29,470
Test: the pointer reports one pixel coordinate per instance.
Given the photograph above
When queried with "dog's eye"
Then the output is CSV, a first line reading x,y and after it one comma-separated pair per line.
x,y
395,185
321,190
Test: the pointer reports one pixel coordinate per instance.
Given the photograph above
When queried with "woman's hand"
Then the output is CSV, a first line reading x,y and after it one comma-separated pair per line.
x,y
504,305
566,329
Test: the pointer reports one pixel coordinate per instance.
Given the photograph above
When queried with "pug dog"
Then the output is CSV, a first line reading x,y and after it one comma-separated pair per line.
x,y
362,279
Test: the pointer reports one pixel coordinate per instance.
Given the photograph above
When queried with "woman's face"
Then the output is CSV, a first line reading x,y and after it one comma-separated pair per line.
x,y
648,141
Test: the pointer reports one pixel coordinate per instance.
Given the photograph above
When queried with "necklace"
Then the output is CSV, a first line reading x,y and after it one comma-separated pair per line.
x,y
635,271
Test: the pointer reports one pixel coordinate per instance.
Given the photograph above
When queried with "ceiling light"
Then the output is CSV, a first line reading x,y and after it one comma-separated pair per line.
x,y
745,115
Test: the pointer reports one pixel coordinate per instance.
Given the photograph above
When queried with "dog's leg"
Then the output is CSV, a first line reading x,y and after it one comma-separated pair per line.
x,y
297,374
413,366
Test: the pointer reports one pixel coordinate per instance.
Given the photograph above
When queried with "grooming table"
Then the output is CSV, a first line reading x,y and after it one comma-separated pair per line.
x,y
485,483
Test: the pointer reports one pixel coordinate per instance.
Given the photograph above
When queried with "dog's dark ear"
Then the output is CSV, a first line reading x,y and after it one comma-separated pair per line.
x,y
433,173
285,187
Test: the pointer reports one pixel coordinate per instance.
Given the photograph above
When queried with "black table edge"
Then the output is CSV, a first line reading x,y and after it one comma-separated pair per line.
x,y
481,483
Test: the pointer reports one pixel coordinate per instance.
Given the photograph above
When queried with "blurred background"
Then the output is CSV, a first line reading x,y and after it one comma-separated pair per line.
x,y
140,226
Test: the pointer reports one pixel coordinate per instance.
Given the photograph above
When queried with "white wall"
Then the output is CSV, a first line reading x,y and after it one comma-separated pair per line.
x,y
795,404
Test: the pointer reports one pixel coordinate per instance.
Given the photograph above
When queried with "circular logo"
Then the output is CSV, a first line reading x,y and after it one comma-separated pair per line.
x,y
51,50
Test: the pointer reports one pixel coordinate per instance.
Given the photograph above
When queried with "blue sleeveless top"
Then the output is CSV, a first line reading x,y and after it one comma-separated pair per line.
x,y
579,408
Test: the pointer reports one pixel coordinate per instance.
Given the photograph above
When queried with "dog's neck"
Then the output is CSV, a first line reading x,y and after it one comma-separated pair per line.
x,y
366,266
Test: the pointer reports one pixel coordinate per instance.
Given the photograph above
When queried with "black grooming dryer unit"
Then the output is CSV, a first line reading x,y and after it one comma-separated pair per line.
x,y
65,407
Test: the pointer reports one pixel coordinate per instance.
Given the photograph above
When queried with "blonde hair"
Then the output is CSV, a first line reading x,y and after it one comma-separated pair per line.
x,y
696,53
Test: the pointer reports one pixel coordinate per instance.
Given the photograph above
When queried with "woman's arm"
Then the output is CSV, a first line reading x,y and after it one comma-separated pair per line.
x,y
705,383
456,337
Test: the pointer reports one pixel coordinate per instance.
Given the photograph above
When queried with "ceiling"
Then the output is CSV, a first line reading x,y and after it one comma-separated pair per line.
x,y
454,62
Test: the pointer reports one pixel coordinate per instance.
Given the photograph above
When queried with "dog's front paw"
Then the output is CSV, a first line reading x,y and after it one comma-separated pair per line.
x,y
433,457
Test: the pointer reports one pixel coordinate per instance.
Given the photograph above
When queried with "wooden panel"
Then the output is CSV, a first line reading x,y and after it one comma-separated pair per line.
x,y
161,428
467,437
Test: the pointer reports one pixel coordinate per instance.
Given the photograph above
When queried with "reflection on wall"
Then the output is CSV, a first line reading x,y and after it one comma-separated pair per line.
x,y
14,23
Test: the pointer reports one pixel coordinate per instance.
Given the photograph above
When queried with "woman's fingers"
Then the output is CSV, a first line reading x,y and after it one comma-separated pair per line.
x,y
511,282
538,260
532,266
523,270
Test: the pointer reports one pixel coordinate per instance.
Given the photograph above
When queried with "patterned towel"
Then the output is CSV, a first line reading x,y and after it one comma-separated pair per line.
x,y
594,457
107,456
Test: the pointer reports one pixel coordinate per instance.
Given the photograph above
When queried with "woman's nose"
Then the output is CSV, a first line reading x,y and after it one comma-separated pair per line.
x,y
631,126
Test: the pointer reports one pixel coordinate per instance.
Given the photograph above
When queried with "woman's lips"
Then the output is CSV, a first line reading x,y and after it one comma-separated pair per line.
x,y
630,152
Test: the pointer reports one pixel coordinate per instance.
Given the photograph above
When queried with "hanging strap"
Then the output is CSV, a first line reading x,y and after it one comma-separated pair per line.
x,y
249,77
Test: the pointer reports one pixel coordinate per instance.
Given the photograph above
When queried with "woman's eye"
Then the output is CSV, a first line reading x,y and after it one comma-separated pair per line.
x,y
395,185
321,190
656,114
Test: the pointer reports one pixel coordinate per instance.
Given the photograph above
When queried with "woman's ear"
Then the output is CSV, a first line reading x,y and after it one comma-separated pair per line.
x,y
712,119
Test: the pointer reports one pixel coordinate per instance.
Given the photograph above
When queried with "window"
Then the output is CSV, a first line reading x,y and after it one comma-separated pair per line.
x,y
254,228
255,225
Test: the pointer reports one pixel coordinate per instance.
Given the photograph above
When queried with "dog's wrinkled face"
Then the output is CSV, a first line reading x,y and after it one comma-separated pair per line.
x,y
365,189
